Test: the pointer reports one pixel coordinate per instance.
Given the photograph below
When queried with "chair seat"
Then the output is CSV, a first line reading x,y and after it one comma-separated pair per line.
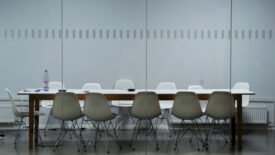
x,y
27,114
122,103
166,105
47,104
106,118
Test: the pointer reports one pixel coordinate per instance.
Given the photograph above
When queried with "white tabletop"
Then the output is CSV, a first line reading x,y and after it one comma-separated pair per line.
x,y
119,91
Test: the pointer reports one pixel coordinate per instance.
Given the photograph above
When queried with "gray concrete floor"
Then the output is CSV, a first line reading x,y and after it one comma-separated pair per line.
x,y
254,142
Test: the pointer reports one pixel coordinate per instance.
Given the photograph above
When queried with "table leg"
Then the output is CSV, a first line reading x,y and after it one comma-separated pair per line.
x,y
240,120
233,131
36,121
31,111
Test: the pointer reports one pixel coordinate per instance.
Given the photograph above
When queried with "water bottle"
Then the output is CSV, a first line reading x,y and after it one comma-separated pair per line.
x,y
46,80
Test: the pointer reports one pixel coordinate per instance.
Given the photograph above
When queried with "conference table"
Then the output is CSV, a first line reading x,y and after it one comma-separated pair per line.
x,y
36,95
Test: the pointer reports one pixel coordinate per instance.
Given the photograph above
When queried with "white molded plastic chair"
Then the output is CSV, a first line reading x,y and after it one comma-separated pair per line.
x,y
125,105
198,87
21,114
243,86
91,86
123,84
194,87
165,106
166,86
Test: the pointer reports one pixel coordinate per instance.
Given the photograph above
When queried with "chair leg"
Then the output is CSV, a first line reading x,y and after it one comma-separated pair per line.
x,y
49,121
155,135
96,134
177,137
106,138
59,137
135,134
17,132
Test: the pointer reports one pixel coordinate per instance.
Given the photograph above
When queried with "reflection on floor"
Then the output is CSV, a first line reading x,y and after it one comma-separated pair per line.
x,y
254,142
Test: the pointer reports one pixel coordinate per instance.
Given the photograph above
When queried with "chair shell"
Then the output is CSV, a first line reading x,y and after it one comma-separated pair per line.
x,y
146,105
186,106
220,105
96,107
66,107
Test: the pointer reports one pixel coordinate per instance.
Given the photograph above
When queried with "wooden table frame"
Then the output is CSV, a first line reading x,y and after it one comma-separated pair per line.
x,y
34,100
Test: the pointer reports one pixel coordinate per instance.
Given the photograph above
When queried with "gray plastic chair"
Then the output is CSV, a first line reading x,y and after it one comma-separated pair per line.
x,y
22,115
48,104
187,107
221,108
97,110
145,108
66,108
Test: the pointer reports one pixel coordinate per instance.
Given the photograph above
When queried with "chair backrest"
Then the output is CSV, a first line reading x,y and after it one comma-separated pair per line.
x,y
14,108
166,85
194,87
146,106
186,106
96,107
66,106
220,105
56,85
124,84
243,86
91,86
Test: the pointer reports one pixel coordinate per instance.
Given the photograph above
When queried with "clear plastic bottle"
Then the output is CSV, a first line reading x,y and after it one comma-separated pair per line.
x,y
46,80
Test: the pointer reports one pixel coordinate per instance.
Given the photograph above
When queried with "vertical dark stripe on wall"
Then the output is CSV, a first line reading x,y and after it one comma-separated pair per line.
x,y
53,34
19,33
256,34
175,34
155,34
39,33
80,34
249,34
134,34
141,34
236,34
209,34
121,34
114,34
12,33
107,34
26,34
87,34
33,34
94,34
243,34
216,34
168,34
222,34
263,34
128,34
